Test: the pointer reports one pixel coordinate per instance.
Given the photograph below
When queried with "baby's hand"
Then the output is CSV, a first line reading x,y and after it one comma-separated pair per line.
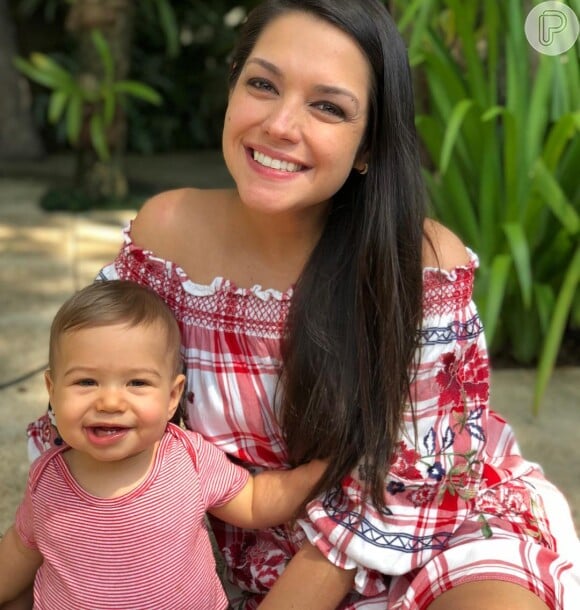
x,y
314,470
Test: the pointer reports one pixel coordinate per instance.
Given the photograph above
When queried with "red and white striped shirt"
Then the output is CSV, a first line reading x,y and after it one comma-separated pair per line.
x,y
148,549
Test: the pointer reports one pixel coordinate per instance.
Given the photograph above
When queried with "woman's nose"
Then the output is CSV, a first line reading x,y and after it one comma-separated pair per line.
x,y
283,122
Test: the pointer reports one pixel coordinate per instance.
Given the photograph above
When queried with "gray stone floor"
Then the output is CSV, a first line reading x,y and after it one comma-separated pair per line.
x,y
45,257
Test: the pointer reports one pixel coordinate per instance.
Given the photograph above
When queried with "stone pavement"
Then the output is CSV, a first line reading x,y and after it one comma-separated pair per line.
x,y
45,257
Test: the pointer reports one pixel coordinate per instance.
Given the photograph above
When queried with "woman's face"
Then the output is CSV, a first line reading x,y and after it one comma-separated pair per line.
x,y
297,115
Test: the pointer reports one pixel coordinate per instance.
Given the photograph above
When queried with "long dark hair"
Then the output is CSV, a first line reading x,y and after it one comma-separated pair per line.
x,y
356,309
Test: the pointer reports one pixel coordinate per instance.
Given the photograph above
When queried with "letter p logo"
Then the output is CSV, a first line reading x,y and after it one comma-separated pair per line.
x,y
550,23
552,27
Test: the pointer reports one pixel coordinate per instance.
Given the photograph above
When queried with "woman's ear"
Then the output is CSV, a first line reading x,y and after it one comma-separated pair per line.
x,y
361,163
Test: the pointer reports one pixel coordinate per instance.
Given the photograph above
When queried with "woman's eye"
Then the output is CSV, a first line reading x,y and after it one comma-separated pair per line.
x,y
261,85
330,109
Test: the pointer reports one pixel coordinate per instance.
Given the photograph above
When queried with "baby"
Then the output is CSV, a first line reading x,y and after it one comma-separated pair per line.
x,y
115,516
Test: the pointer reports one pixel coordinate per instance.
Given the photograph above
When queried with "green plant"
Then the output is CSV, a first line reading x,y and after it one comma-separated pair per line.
x,y
86,105
194,83
500,124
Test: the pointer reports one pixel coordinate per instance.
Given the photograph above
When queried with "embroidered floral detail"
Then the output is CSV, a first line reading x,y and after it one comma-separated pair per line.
x,y
485,527
395,487
423,495
463,378
460,480
404,462
436,471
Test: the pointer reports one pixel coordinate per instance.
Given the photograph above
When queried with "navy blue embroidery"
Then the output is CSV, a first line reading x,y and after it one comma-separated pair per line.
x,y
448,439
429,441
363,528
436,471
395,487
455,331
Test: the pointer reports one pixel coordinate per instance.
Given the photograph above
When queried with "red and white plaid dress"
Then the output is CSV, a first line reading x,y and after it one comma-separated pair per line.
x,y
462,504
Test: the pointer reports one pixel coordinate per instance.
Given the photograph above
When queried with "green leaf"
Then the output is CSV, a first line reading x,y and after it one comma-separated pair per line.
x,y
56,106
498,279
493,29
51,68
74,119
452,132
521,257
169,25
461,216
465,16
420,26
547,186
35,74
545,300
570,82
557,327
575,312
431,134
99,138
558,137
409,15
139,90
104,51
538,116
490,189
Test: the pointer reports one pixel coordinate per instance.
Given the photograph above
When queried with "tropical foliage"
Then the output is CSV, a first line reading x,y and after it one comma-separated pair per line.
x,y
500,124
85,102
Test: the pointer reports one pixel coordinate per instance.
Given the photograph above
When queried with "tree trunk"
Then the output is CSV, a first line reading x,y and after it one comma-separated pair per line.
x,y
19,138
114,18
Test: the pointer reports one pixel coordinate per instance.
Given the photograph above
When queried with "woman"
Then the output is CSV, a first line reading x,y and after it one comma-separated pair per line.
x,y
323,316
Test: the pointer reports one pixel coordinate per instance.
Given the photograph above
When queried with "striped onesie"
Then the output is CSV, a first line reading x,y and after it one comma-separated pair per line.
x,y
147,549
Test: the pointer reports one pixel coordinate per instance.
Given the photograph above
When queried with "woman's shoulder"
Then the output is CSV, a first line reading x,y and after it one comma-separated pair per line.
x,y
442,249
173,217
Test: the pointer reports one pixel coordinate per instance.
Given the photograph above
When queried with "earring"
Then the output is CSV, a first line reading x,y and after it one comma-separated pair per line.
x,y
365,170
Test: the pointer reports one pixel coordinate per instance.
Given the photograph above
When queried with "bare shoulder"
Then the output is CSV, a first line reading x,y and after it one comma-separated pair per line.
x,y
171,221
159,216
442,248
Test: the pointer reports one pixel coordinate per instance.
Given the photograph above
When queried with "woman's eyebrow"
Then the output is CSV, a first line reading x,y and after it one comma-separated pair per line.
x,y
265,64
333,90
326,89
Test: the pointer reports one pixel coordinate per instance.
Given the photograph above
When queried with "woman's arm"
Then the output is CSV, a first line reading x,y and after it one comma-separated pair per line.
x,y
18,565
309,582
272,497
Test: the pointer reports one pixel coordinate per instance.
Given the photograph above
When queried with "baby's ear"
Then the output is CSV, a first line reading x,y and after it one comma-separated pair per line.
x,y
48,382
175,395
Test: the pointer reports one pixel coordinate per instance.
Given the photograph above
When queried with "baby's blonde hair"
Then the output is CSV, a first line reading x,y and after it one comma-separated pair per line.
x,y
110,302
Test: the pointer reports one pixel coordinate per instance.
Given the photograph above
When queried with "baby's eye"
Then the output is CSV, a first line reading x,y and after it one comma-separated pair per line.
x,y
330,109
261,84
138,383
85,382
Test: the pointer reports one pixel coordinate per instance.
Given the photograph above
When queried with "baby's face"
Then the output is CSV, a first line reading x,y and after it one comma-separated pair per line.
x,y
113,389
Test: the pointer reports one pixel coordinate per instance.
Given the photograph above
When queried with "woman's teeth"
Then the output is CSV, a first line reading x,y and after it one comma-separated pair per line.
x,y
284,166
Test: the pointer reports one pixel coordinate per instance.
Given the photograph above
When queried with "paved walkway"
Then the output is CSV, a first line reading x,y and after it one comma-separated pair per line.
x,y
45,257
